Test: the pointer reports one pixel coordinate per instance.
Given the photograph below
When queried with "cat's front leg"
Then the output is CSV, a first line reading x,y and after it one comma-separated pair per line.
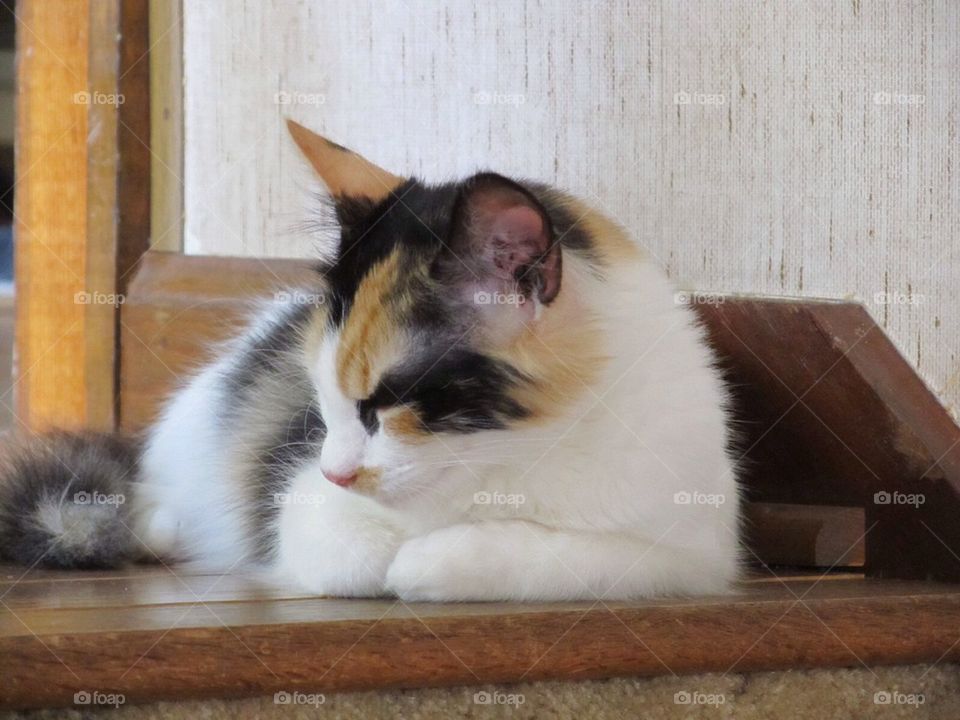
x,y
519,560
477,561
332,541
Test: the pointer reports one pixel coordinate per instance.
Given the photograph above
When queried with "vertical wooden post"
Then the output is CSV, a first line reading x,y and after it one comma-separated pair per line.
x,y
166,125
82,205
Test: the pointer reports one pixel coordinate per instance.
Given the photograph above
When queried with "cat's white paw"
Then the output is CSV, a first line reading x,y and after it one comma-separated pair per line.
x,y
341,546
338,570
444,565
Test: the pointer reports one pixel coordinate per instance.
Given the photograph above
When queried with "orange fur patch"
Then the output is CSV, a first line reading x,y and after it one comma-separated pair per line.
x,y
562,354
368,480
344,172
404,423
370,341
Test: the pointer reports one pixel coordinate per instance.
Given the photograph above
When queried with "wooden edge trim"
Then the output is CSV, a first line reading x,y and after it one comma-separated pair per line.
x,y
409,652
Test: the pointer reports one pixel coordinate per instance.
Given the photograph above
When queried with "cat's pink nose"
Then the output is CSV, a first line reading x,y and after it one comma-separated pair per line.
x,y
341,479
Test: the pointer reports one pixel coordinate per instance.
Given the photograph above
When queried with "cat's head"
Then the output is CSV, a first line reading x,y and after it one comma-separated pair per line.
x,y
453,311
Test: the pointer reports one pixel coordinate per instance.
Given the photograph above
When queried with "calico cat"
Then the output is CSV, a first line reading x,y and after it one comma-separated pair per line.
x,y
489,394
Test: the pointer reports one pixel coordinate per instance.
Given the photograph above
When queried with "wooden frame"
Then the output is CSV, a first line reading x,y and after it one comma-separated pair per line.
x,y
82,203
178,637
166,124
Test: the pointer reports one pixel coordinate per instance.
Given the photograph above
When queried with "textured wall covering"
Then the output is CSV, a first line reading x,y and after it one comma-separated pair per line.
x,y
789,148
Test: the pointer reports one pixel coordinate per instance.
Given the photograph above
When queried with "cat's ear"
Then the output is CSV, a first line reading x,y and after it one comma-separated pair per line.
x,y
348,176
502,241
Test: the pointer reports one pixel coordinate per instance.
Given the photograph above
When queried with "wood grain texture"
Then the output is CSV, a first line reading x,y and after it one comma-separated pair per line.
x,y
166,125
82,202
834,415
55,260
133,138
817,155
805,535
150,645
178,310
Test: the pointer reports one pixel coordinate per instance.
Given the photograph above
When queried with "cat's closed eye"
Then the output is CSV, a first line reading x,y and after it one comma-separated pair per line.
x,y
368,410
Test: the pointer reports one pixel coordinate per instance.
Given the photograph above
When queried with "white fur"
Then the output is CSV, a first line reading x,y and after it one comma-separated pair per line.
x,y
585,507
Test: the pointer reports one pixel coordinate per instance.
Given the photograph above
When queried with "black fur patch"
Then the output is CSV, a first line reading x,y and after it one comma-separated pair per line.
x,y
269,352
300,440
461,391
418,218
572,236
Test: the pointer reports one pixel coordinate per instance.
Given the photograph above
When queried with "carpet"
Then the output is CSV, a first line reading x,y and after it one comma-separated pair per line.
x,y
918,692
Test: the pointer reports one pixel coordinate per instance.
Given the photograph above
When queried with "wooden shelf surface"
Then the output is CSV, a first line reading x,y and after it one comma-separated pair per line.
x,y
150,634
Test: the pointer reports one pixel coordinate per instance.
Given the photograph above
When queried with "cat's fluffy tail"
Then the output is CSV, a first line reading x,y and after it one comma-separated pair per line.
x,y
66,500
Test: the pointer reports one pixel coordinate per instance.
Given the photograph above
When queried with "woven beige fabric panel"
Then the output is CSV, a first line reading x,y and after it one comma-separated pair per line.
x,y
789,148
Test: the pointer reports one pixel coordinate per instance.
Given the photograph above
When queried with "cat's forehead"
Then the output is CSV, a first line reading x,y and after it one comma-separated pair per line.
x,y
379,282
374,333
413,220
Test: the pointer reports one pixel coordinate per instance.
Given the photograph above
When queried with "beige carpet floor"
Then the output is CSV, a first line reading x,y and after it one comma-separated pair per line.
x,y
915,692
